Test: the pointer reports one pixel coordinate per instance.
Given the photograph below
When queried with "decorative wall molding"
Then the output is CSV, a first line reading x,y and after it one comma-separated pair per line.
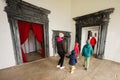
x,y
26,11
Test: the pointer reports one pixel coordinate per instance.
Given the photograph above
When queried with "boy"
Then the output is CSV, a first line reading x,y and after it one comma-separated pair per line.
x,y
87,52
72,61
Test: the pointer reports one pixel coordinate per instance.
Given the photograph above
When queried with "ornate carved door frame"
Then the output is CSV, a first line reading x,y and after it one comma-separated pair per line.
x,y
100,19
20,10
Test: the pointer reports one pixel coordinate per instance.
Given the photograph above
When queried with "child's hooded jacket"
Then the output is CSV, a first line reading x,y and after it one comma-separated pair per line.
x,y
72,57
87,50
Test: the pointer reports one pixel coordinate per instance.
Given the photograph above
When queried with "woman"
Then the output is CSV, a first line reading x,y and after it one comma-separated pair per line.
x,y
61,50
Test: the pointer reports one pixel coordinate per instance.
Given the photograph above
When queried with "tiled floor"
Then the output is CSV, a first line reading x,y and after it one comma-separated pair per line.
x,y
45,69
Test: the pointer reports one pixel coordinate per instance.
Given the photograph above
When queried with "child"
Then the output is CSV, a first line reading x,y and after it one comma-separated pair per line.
x,y
72,61
76,48
87,52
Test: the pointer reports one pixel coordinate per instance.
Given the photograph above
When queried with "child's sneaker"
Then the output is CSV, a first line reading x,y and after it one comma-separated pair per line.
x,y
62,67
72,72
86,69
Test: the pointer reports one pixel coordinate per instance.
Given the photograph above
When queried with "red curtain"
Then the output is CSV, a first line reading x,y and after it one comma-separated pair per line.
x,y
24,28
37,29
38,32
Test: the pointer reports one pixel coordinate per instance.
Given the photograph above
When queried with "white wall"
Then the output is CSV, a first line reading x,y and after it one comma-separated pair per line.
x,y
83,7
6,47
59,19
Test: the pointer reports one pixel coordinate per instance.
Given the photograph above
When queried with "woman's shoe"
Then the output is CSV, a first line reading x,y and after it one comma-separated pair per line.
x,y
58,66
62,67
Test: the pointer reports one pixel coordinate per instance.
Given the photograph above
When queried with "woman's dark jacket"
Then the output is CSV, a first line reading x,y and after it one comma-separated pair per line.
x,y
60,45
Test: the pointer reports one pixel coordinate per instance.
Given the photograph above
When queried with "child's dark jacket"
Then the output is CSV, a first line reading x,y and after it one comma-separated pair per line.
x,y
72,57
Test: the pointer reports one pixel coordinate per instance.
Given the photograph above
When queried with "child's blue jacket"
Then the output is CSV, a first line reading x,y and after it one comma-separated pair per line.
x,y
87,50
72,57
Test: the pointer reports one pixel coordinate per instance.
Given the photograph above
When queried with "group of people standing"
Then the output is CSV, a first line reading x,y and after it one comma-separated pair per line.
x,y
87,52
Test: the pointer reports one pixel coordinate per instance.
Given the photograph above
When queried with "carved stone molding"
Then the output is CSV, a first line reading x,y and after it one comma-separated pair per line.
x,y
21,10
101,19
94,18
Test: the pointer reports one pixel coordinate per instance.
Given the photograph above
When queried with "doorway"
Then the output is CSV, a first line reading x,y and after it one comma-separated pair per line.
x,y
101,19
32,41
19,10
32,48
87,33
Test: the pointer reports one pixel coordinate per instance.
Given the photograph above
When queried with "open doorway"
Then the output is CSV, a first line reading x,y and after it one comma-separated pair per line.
x,y
31,40
87,34
101,19
32,48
